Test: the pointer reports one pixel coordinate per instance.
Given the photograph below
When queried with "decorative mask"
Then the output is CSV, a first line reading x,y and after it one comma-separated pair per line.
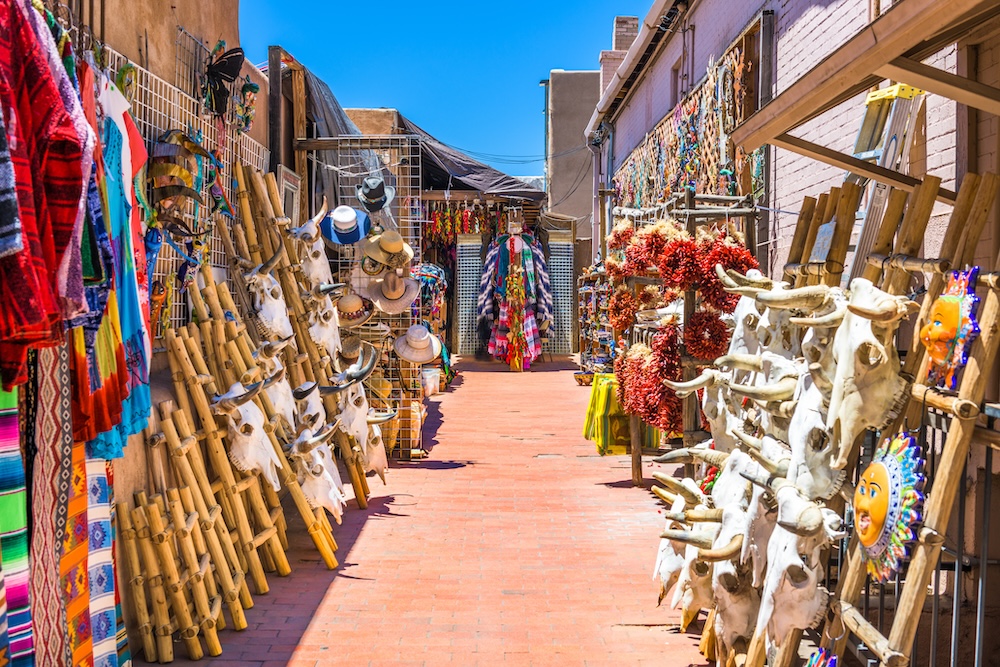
x,y
951,328
887,505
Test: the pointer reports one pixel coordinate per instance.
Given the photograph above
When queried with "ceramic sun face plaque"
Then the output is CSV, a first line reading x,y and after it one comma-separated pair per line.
x,y
951,328
887,505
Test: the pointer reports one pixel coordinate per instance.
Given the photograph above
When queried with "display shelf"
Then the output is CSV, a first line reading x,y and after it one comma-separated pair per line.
x,y
596,336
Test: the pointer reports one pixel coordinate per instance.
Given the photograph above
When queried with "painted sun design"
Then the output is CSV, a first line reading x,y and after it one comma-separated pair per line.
x,y
887,505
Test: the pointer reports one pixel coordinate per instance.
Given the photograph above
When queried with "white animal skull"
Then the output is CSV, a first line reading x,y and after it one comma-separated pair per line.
x,y
250,448
269,301
268,357
867,385
317,471
312,256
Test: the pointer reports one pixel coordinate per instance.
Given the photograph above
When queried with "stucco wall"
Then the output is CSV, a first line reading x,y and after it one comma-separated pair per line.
x,y
572,98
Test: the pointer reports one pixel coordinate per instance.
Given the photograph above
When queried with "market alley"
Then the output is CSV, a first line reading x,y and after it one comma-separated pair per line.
x,y
512,543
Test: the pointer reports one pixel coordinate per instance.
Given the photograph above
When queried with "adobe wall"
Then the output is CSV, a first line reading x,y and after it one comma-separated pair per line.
x,y
572,98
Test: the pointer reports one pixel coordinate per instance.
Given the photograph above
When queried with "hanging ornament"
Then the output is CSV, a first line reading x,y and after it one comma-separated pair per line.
x,y
887,505
245,106
822,658
951,328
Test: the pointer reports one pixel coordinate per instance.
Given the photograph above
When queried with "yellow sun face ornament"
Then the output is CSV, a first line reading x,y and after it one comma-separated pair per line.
x,y
887,505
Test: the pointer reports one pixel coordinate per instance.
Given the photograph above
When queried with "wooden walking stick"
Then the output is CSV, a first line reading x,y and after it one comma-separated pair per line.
x,y
163,627
137,582
196,571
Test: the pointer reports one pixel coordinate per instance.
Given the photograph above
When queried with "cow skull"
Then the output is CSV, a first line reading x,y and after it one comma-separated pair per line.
x,y
250,448
317,471
269,302
312,259
868,388
268,357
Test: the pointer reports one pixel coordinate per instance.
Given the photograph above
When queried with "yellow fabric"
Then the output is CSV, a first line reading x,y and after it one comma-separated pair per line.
x,y
606,424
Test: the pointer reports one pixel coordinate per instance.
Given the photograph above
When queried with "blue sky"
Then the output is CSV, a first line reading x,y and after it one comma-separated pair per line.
x,y
467,72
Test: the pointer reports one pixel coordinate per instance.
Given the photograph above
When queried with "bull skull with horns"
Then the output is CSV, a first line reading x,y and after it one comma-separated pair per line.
x,y
250,448
324,327
317,471
868,387
268,357
269,301
312,259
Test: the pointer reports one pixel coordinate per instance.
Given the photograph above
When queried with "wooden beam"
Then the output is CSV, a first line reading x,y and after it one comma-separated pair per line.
x,y
906,23
334,143
274,106
300,158
962,90
854,165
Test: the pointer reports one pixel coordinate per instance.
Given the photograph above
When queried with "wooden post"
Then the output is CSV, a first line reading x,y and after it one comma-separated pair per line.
x,y
162,627
801,234
299,132
635,436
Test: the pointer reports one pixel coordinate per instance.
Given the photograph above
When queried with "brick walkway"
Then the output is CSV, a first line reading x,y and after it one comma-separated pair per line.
x,y
513,543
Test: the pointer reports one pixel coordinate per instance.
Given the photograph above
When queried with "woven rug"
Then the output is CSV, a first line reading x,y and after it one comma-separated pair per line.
x,y
100,569
14,534
73,565
50,487
124,654
4,641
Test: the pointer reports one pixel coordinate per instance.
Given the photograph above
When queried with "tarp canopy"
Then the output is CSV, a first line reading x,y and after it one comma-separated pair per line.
x,y
444,168
329,119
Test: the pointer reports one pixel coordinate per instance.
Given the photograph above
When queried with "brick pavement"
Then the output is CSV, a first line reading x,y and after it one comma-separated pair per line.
x,y
511,544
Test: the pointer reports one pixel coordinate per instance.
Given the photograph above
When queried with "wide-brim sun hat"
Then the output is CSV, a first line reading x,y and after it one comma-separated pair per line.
x,y
345,225
388,248
354,310
380,387
374,194
393,294
350,347
418,346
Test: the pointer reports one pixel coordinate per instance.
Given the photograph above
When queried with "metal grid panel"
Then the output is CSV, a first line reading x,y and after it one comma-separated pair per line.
x,y
398,161
157,106
560,263
468,272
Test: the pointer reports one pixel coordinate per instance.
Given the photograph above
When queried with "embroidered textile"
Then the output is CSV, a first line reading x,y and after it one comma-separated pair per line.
x,y
100,569
14,535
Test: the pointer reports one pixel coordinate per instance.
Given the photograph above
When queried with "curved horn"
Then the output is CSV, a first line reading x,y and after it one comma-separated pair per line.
x,y
782,390
664,495
807,298
710,456
325,289
365,369
728,552
306,445
771,483
688,537
232,403
303,233
746,281
675,485
277,377
887,311
272,348
381,417
303,391
809,522
777,469
327,390
827,321
750,441
708,378
819,377
676,456
743,362
703,515
724,277
271,263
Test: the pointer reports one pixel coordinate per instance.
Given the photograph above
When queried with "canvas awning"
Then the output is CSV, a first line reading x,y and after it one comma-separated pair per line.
x,y
445,168
891,47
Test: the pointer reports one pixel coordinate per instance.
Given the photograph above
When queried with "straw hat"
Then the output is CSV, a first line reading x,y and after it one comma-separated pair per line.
x,y
388,248
374,332
345,225
418,346
354,310
350,347
393,294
